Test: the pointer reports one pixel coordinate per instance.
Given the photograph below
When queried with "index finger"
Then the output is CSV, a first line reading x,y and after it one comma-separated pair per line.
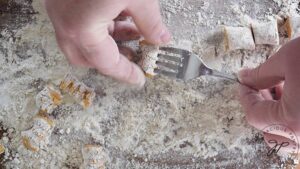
x,y
104,55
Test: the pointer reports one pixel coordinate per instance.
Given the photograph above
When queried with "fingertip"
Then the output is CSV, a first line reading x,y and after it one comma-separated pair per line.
x,y
165,36
140,79
160,37
243,75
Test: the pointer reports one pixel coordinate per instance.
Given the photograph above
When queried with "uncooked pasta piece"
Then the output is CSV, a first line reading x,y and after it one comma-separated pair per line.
x,y
38,135
293,26
238,38
82,93
266,33
48,99
93,157
149,58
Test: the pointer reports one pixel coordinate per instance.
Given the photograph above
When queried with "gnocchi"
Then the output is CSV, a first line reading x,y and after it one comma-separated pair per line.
x,y
93,157
238,38
292,26
149,58
48,99
38,135
266,33
82,93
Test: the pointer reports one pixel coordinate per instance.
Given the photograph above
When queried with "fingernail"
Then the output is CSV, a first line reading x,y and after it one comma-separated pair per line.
x,y
242,74
165,36
141,80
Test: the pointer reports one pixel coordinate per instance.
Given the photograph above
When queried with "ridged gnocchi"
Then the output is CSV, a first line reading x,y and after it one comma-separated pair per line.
x,y
82,93
48,99
149,58
38,135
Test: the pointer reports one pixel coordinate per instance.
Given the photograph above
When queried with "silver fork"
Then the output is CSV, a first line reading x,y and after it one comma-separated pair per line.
x,y
185,65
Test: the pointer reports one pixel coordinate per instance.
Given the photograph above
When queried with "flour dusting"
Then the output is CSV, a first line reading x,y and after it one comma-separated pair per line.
x,y
166,124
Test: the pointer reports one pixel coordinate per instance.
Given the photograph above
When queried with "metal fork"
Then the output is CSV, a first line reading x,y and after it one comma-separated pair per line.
x,y
185,65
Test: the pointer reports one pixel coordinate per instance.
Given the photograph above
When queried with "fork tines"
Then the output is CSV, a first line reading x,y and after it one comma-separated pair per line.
x,y
180,52
169,61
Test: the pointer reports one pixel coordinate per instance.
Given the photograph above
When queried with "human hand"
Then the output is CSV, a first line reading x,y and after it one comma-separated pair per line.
x,y
281,71
86,32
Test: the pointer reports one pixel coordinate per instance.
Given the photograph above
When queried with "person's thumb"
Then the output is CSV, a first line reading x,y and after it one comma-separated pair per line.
x,y
264,76
147,17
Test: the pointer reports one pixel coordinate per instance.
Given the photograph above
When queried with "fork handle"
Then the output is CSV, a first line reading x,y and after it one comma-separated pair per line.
x,y
217,73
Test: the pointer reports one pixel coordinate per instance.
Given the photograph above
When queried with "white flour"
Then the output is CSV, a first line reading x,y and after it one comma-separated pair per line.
x,y
167,124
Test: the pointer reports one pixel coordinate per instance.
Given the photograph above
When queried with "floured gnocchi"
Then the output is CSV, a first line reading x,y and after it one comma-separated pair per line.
x,y
48,99
149,58
82,93
292,26
238,38
38,135
93,157
265,32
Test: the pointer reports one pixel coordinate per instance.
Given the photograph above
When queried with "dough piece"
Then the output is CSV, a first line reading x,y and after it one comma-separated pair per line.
x,y
93,157
149,58
82,93
266,33
38,135
238,38
48,99
2,149
292,26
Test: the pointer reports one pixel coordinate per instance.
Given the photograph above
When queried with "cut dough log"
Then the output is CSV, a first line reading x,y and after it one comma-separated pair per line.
x,y
149,58
38,135
265,33
48,99
238,38
82,93
292,26
93,157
